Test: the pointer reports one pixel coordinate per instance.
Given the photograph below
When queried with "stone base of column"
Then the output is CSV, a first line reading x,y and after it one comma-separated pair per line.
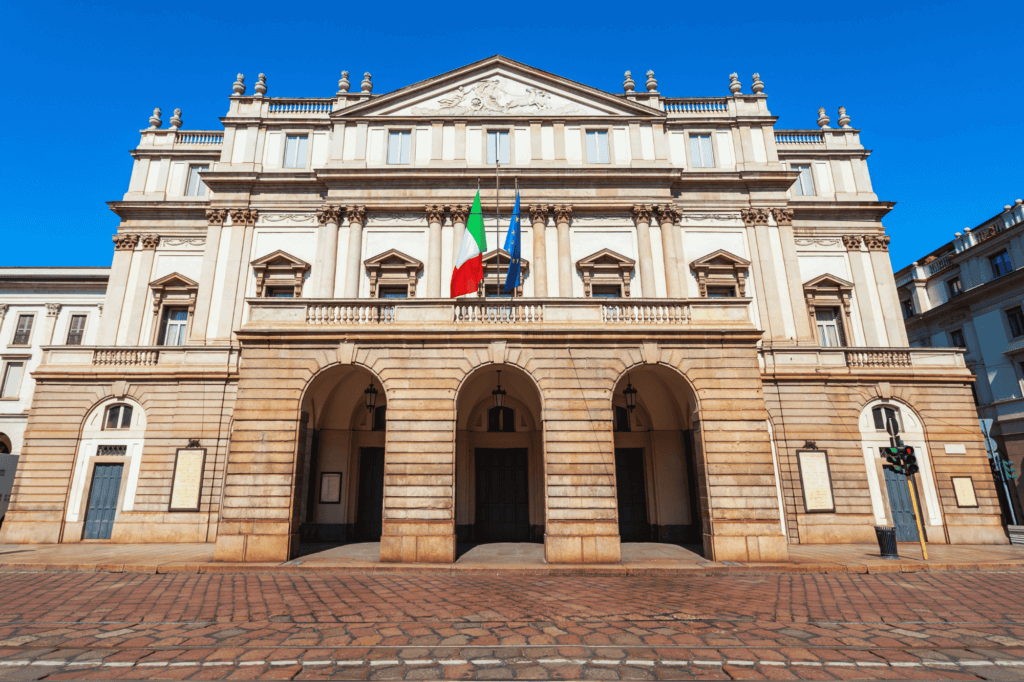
x,y
582,543
418,542
247,541
771,546
30,528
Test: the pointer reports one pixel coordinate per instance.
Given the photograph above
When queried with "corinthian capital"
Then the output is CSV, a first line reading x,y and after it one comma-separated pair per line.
x,y
667,214
215,216
563,213
356,214
150,241
52,309
783,216
459,213
642,213
328,214
877,242
244,216
538,213
125,242
754,216
851,242
435,214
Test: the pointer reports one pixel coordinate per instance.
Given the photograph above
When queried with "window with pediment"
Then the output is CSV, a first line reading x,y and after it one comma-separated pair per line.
x,y
828,304
496,264
393,274
279,275
606,274
174,301
721,275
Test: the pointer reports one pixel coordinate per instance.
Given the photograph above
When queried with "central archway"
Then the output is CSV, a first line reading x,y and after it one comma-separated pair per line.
x,y
499,465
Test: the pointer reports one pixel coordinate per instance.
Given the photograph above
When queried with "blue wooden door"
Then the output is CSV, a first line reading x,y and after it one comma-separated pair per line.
x,y
901,505
99,517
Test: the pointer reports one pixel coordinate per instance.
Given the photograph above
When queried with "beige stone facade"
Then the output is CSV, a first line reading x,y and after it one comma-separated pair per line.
x,y
735,276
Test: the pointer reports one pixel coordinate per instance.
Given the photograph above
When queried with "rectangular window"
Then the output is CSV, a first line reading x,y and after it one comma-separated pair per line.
x,y
830,330
956,337
804,186
279,292
954,286
393,292
76,330
23,332
196,187
496,290
700,151
12,379
1000,264
721,292
295,151
908,309
398,147
597,146
606,291
497,147
1016,319
175,322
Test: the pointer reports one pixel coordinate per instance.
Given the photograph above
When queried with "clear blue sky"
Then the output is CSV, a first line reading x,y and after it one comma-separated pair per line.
x,y
936,89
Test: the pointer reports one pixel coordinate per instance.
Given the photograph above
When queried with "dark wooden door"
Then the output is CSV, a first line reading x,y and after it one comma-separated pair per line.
x,y
103,494
502,498
901,506
370,517
632,494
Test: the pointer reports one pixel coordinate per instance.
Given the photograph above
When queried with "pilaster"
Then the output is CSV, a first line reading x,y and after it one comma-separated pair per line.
x,y
124,247
201,318
435,219
791,262
668,216
356,218
878,248
563,216
326,264
873,336
642,218
539,220
142,301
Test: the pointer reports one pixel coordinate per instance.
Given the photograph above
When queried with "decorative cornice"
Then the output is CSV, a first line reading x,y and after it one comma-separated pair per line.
x,y
754,216
125,242
642,214
668,215
356,214
563,213
538,213
216,216
435,214
244,216
459,213
852,242
329,214
150,241
52,309
877,242
783,216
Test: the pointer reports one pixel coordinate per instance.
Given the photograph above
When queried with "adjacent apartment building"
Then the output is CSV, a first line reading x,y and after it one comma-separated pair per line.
x,y
968,294
705,346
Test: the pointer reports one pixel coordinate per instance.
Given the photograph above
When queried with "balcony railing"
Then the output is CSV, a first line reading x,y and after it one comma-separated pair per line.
x,y
696,106
783,360
799,138
940,264
141,358
198,138
299,107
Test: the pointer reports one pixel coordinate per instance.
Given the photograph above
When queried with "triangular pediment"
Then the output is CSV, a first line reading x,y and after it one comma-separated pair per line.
x,y
720,258
393,259
605,257
491,258
498,87
828,281
174,281
281,258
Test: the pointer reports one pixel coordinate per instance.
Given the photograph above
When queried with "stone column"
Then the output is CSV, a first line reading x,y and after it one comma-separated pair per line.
x,y
435,218
563,216
791,267
356,217
757,219
873,335
329,218
539,271
124,248
201,318
642,217
143,299
667,217
52,311
878,247
459,214
243,223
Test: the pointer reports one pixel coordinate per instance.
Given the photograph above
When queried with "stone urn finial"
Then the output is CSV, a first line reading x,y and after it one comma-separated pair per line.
x,y
343,84
734,83
239,86
758,86
844,120
176,119
652,84
823,118
154,120
367,84
628,85
261,85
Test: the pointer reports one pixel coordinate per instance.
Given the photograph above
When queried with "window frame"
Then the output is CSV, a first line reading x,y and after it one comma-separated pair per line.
x,y
4,375
880,409
903,307
305,158
597,131
953,341
161,339
992,264
710,134
31,330
798,185
71,327
837,319
599,285
507,132
1015,318
958,290
193,168
120,418
407,132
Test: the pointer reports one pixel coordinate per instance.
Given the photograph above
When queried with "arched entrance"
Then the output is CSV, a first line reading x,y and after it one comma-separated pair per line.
x,y
499,469
656,464
342,494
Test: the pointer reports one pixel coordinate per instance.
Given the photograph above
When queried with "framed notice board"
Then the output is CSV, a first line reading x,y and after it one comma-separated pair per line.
x,y
187,485
816,481
330,487
963,487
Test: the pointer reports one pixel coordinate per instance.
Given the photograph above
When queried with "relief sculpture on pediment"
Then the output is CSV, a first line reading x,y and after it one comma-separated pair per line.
x,y
494,96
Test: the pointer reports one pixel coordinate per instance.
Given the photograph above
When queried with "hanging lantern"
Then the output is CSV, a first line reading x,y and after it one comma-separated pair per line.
x,y
371,396
630,394
498,393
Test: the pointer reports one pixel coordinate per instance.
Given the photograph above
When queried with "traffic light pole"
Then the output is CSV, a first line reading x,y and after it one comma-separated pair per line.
x,y
913,500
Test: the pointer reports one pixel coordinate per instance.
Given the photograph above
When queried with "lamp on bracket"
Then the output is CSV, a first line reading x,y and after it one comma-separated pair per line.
x,y
630,393
371,396
499,393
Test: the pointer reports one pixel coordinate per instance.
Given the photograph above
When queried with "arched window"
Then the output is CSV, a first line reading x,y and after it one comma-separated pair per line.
x,y
883,413
118,417
501,420
5,449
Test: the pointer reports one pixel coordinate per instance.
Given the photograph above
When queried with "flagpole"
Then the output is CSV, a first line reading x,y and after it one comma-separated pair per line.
x,y
519,240
497,213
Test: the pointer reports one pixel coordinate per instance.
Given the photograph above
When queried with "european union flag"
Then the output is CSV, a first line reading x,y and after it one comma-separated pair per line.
x,y
513,246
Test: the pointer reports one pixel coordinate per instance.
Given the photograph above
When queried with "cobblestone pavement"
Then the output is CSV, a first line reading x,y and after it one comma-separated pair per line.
x,y
353,626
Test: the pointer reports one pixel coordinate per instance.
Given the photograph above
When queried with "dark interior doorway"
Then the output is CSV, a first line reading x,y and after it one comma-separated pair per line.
x,y
502,497
632,493
370,515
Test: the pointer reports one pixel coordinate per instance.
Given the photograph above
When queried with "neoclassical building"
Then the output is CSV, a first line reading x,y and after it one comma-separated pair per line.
x,y
704,348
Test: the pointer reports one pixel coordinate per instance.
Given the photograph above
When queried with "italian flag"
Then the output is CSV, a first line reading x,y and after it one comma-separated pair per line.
x,y
469,266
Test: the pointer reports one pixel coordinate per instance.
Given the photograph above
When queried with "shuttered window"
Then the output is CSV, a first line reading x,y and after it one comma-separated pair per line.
x,y
700,151
398,147
804,186
76,330
196,187
597,146
295,151
497,147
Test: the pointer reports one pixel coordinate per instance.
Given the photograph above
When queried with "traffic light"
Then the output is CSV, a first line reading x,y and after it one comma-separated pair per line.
x,y
910,461
892,456
1009,471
